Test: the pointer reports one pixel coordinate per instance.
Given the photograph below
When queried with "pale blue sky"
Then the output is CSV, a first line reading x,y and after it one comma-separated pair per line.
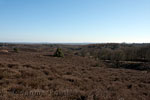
x,y
75,21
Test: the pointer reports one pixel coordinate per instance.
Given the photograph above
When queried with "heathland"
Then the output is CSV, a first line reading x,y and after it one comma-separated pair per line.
x,y
74,72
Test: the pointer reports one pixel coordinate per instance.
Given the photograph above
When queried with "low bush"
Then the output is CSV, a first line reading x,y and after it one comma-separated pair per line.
x,y
16,50
59,53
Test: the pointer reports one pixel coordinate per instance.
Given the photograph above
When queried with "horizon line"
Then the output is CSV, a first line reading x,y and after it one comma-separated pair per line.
x,y
76,42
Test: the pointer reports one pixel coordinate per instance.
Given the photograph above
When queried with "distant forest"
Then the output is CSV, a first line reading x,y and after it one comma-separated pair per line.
x,y
117,52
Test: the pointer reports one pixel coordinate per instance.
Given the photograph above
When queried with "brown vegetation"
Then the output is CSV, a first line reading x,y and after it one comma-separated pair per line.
x,y
34,73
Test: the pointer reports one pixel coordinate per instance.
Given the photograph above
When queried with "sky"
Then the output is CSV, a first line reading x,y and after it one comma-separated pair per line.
x,y
75,21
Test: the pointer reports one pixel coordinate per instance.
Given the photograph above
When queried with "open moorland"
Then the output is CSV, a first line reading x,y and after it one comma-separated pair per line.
x,y
86,72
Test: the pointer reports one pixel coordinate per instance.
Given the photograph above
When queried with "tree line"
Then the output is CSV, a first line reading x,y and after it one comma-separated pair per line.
x,y
118,52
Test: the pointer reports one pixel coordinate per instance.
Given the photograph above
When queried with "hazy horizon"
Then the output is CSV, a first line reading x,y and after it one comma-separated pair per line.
x,y
75,21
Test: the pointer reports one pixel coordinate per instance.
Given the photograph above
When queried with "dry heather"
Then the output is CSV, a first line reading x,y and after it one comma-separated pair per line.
x,y
38,76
